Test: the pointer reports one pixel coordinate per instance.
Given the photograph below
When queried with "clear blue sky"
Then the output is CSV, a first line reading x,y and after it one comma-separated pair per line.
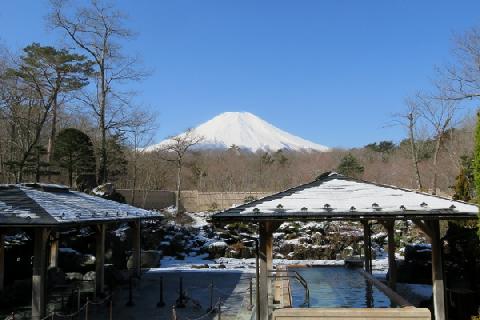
x,y
330,71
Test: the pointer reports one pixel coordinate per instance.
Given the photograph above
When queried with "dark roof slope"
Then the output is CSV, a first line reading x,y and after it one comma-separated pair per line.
x,y
39,204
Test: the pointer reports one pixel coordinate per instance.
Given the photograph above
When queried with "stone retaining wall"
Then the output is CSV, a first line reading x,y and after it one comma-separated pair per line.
x,y
192,200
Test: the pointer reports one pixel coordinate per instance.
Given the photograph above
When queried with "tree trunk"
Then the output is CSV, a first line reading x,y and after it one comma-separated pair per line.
x,y
135,156
53,133
179,173
70,171
103,172
414,153
438,144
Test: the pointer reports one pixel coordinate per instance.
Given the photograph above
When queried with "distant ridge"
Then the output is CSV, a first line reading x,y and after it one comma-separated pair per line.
x,y
248,132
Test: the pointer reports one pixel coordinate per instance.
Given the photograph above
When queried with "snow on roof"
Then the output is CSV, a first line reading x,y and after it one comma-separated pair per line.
x,y
43,204
336,196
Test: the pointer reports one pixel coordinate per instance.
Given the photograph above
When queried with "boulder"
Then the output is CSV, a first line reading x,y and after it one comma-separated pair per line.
x,y
418,252
55,277
89,276
88,259
74,276
149,259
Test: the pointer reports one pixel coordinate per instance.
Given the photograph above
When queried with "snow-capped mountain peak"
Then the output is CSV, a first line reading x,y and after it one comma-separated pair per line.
x,y
246,131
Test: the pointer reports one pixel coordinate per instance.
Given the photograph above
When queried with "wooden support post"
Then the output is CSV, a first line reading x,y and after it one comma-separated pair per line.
x,y
100,259
265,233
137,248
392,265
367,246
2,260
54,244
39,273
437,272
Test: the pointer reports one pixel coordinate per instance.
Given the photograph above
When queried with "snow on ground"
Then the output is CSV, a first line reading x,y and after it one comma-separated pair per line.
x,y
199,218
245,265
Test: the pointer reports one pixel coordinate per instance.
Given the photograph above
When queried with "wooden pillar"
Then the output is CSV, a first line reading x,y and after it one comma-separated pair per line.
x,y
266,240
100,259
392,265
2,260
137,247
367,248
54,244
437,272
39,273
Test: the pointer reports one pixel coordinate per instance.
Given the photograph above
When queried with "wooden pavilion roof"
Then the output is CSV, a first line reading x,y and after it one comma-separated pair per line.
x,y
54,205
333,196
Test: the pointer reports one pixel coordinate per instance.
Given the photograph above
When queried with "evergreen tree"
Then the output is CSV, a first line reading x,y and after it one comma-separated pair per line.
x,y
350,166
74,152
34,165
464,181
116,158
44,73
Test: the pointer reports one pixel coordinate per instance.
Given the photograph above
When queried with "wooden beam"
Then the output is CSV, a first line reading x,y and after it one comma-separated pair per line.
x,y
39,273
54,244
392,265
266,239
437,272
100,259
394,297
367,246
137,248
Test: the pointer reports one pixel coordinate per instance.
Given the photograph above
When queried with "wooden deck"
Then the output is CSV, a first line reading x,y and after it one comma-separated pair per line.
x,y
408,313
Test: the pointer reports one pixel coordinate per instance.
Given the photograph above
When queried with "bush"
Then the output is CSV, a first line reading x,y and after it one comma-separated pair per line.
x,y
249,199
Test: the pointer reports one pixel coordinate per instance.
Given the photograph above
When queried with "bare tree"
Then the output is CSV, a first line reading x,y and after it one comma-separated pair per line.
x,y
408,119
179,146
97,29
440,115
139,134
461,80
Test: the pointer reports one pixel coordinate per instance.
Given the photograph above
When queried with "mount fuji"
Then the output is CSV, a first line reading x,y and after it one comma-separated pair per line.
x,y
246,131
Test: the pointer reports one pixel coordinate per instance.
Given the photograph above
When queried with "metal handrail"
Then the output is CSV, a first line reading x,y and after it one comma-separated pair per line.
x,y
302,281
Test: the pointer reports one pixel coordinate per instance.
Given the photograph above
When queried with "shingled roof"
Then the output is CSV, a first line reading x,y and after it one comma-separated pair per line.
x,y
333,196
49,205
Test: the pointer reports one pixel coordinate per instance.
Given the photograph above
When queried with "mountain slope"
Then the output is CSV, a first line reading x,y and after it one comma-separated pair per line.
x,y
246,131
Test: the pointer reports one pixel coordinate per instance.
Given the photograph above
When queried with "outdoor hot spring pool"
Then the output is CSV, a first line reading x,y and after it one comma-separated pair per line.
x,y
337,287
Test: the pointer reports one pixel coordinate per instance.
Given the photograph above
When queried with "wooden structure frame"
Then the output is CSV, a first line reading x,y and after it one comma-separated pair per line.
x,y
49,208
336,197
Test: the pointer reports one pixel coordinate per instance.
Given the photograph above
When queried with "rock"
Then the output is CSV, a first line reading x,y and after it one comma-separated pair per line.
x,y
216,248
89,276
70,260
418,252
149,259
55,277
88,259
74,276
222,266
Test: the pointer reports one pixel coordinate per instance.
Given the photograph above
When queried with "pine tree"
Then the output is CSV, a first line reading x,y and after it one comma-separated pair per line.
x,y
74,152
350,166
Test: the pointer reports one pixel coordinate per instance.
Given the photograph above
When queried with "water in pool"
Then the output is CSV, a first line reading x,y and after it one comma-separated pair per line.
x,y
337,287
